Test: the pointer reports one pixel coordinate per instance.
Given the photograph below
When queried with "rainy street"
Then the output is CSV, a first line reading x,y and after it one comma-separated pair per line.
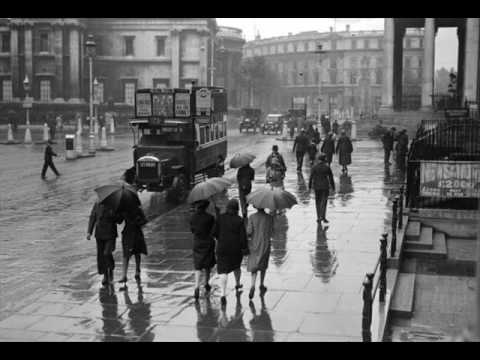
x,y
51,291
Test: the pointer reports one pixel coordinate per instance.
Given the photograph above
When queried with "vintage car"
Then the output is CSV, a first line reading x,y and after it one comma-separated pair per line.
x,y
273,124
178,136
250,119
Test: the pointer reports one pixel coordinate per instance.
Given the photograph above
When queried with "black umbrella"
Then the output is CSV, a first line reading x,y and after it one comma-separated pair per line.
x,y
120,197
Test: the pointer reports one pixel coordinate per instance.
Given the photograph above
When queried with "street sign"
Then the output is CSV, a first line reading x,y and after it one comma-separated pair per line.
x,y
143,104
182,104
162,104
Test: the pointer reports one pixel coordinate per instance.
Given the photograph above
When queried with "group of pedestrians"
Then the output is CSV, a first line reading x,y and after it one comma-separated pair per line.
x,y
401,147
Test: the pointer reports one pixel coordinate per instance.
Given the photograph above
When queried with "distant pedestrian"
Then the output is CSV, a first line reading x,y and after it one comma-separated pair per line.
x,y
133,240
291,127
220,166
325,122
245,176
276,168
229,230
201,226
104,220
300,147
52,125
344,150
402,148
259,232
48,160
59,122
13,121
387,139
335,127
316,137
328,148
321,180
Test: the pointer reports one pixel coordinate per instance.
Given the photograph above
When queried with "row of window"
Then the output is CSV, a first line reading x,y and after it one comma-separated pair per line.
x,y
41,41
331,77
45,90
211,132
129,45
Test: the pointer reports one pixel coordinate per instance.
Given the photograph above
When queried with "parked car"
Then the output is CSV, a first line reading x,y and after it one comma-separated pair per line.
x,y
250,119
273,124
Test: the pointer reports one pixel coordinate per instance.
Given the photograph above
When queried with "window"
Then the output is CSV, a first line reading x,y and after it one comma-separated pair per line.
x,y
45,90
44,42
272,49
7,90
160,83
160,45
367,44
354,44
129,93
129,50
5,42
378,75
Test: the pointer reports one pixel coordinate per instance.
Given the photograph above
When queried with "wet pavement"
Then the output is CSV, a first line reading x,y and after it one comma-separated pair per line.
x,y
314,279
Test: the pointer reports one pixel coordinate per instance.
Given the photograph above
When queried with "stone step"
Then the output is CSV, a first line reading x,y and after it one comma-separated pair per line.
x,y
413,230
424,242
403,296
439,250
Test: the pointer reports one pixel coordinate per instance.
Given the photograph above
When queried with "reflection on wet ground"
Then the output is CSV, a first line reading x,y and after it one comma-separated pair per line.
x,y
314,278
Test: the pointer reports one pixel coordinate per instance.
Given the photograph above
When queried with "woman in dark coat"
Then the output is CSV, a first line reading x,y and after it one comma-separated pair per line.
x,y
328,148
230,233
201,225
344,151
133,241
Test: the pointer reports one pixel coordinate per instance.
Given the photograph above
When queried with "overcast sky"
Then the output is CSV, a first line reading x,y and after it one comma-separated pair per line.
x,y
270,27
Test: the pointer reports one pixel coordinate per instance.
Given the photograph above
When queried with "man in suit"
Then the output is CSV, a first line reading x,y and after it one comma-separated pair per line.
x,y
48,160
300,147
321,179
387,139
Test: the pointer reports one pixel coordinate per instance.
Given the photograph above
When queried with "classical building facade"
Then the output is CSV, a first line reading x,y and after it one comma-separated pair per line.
x,y
228,58
349,72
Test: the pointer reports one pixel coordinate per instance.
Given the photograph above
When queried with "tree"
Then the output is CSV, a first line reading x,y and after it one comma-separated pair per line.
x,y
259,80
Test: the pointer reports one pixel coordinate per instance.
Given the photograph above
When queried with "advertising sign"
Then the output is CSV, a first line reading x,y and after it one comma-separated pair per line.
x,y
182,104
450,179
143,104
299,103
162,104
203,102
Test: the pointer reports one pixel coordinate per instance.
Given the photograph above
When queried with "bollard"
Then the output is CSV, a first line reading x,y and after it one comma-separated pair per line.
x,y
103,141
400,208
367,308
95,128
393,245
10,139
28,136
354,130
383,267
112,125
79,125
46,132
79,145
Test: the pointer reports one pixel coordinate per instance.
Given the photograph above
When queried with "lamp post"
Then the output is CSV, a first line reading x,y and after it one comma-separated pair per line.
x,y
95,102
320,52
27,104
90,47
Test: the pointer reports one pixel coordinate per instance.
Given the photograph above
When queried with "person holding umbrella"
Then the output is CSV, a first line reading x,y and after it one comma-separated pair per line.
x,y
201,226
229,230
133,241
259,232
214,190
321,179
245,176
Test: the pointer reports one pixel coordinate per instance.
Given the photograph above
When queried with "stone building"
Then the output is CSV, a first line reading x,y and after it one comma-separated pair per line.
x,y
348,74
228,58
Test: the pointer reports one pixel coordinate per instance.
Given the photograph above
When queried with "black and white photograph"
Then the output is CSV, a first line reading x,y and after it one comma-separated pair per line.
x,y
239,179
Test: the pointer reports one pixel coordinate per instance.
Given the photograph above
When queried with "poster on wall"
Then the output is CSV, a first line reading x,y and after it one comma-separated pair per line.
x,y
182,104
143,104
203,102
450,179
162,104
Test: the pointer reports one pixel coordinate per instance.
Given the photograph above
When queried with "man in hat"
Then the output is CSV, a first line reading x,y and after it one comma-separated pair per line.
x,y
321,179
301,144
402,148
387,139
48,160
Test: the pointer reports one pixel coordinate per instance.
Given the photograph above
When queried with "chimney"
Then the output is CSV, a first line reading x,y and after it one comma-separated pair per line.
x,y
348,28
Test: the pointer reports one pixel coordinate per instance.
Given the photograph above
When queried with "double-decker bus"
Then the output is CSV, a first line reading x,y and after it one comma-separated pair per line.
x,y
178,137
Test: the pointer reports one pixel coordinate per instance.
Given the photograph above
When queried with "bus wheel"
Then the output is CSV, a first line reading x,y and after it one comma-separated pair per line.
x,y
179,191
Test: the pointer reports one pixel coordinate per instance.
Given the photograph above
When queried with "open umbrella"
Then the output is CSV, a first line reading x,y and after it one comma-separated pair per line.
x,y
119,197
208,188
240,160
273,199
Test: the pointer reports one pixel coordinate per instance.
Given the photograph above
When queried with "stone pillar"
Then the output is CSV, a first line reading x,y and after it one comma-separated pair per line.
x,y
428,63
74,66
58,51
203,71
387,84
29,58
471,60
175,59
14,66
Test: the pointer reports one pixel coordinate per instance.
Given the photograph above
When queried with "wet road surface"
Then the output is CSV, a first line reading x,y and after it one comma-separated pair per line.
x,y
314,278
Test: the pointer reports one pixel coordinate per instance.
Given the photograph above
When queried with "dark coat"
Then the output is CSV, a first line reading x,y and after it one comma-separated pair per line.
x,y
279,156
328,148
104,220
49,153
321,177
201,226
301,144
387,140
402,143
229,230
344,150
133,241
245,176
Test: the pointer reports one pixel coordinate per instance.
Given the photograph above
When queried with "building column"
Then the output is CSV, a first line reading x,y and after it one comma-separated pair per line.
x,y
58,51
175,58
387,84
203,70
14,67
74,66
428,63
29,58
471,60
